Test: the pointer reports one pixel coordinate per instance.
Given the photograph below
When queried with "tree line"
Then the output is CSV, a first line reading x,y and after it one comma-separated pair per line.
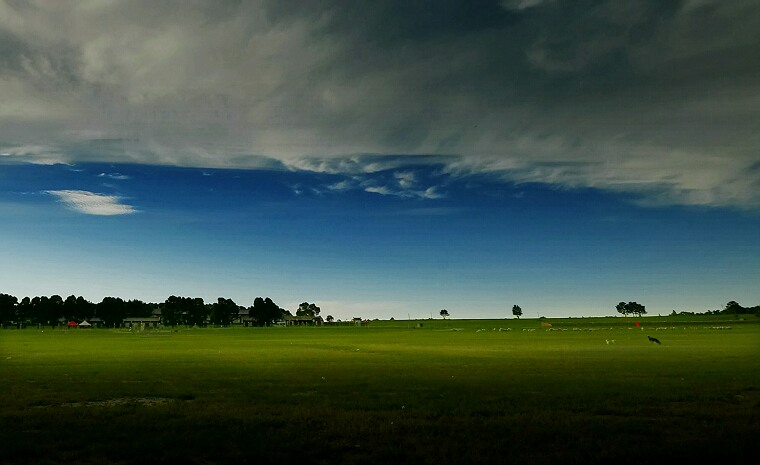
x,y
55,310
731,308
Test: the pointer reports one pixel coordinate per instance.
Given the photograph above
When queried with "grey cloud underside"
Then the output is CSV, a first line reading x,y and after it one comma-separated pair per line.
x,y
661,99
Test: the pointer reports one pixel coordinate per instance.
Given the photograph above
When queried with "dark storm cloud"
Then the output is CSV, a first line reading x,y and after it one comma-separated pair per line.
x,y
655,98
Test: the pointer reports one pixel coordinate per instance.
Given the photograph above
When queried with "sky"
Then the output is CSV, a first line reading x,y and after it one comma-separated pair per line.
x,y
383,159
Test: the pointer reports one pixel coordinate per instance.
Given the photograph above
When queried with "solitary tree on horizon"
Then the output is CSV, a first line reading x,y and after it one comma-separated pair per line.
x,y
444,313
517,311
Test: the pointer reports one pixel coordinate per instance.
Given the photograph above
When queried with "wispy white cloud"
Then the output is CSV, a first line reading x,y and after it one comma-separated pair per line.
x,y
341,185
91,203
433,192
397,176
117,176
406,179
520,5
382,190
355,164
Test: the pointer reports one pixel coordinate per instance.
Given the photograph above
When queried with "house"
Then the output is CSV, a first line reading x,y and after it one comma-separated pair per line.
x,y
291,320
242,317
147,321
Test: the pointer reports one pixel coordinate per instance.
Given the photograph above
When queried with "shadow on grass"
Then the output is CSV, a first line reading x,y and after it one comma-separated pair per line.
x,y
211,433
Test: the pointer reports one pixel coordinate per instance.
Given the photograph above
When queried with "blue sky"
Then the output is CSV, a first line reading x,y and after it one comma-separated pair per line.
x,y
477,248
384,159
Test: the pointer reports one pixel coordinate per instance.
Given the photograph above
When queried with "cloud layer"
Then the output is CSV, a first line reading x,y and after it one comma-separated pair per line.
x,y
658,99
93,204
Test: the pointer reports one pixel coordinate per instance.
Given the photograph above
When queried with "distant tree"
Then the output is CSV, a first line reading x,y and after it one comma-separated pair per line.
x,y
733,307
444,313
77,308
265,312
38,310
517,311
630,308
70,308
622,308
307,309
112,310
138,309
8,305
256,311
85,309
46,310
23,312
636,308
222,311
330,318
184,310
171,311
195,313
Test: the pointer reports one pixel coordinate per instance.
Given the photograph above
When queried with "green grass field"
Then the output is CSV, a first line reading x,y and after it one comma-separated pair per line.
x,y
452,391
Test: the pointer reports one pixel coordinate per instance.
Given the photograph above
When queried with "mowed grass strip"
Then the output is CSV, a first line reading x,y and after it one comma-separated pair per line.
x,y
446,392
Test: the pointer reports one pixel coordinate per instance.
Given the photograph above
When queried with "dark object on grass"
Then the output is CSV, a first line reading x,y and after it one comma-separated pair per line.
x,y
652,339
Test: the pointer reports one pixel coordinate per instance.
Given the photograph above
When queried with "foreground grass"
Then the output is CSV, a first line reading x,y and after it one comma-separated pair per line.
x,y
446,392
